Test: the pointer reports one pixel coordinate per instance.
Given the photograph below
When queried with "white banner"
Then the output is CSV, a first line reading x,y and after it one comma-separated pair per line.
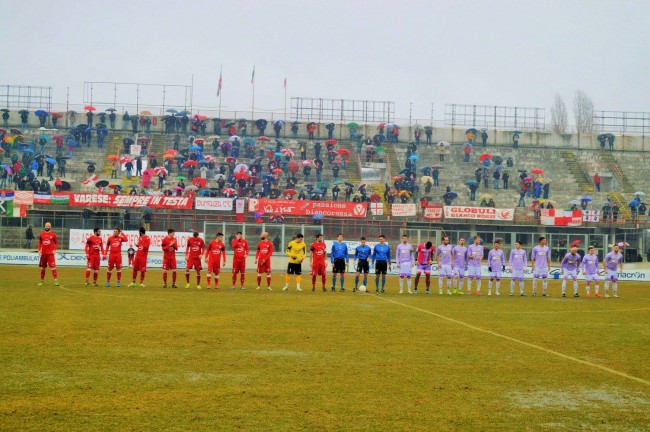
x,y
135,150
240,205
591,215
480,213
403,209
214,204
67,259
377,209
78,239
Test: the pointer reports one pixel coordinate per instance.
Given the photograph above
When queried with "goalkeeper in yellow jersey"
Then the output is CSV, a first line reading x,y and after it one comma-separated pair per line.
x,y
297,251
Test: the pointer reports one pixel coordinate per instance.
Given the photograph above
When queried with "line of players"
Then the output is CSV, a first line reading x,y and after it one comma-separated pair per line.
x,y
454,262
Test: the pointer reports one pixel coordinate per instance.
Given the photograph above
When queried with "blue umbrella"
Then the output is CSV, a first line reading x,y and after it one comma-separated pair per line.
x,y
278,154
27,150
45,137
471,182
50,161
318,216
588,199
89,130
414,157
269,177
102,132
450,195
316,191
178,115
471,130
279,122
195,148
249,141
41,112
499,168
171,110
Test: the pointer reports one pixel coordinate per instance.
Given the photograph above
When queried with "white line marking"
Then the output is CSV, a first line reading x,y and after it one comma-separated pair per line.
x,y
521,342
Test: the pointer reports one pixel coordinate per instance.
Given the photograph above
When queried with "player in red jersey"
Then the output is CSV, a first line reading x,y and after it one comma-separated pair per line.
x,y
140,260
114,250
215,257
241,250
94,253
193,254
47,246
169,247
263,260
317,256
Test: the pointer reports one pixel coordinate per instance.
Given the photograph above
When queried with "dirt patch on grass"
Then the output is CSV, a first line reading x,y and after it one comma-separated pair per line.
x,y
578,398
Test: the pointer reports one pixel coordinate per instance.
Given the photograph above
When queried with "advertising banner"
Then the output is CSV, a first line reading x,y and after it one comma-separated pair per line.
x,y
78,239
151,201
403,209
213,204
433,213
340,209
479,213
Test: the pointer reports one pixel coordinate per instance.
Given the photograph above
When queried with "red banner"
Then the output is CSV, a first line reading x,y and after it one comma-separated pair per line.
x,y
107,200
433,212
340,209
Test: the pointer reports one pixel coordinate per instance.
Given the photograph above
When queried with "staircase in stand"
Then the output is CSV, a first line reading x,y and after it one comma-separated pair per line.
x,y
626,185
575,168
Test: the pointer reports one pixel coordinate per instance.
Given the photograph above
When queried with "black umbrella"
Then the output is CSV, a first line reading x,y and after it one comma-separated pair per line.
x,y
16,131
348,184
379,138
82,127
101,183
128,141
4,110
90,162
65,186
230,124
100,126
23,111
111,109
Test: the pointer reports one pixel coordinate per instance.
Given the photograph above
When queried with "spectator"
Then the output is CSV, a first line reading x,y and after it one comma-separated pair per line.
x,y
441,153
468,151
515,140
303,150
29,237
129,169
472,191
546,190
72,119
491,203
504,178
486,177
610,141
24,115
89,118
602,139
138,167
483,203
497,176
428,133
111,119
126,120
597,182
484,137
522,198
435,173
417,134
335,172
5,119
335,192
114,167
134,124
317,149
330,130
615,211
311,128
277,128
509,162
294,130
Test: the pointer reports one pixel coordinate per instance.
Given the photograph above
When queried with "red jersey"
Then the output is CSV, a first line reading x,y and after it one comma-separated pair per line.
x,y
425,255
114,244
241,248
94,246
143,246
47,243
216,252
169,247
264,250
195,247
319,250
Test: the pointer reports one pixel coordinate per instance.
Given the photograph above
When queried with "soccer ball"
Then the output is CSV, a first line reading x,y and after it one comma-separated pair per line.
x,y
363,288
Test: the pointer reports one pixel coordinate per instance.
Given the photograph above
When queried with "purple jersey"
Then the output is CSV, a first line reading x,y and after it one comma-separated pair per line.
x,y
540,257
517,259
460,256
496,259
444,253
571,262
404,253
612,260
590,264
474,255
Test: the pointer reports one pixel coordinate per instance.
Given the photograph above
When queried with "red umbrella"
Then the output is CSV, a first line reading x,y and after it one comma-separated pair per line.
x,y
56,114
287,152
375,198
397,178
381,125
190,163
331,142
210,158
90,108
241,176
152,155
576,243
289,192
113,158
143,139
231,159
307,162
622,244
537,171
199,141
159,169
199,182
344,152
125,159
168,156
203,117
337,162
171,151
528,179
228,191
254,180
277,171
485,156
293,166
263,138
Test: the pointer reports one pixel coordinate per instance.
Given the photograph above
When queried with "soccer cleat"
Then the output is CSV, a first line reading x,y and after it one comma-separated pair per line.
x,y
512,294
233,288
132,285
545,295
576,295
174,286
478,293
87,283
242,288
448,292
460,292
588,295
563,295
606,295
428,292
324,289
498,293
164,285
187,286
342,289
94,284
382,291
258,288
269,288
286,288
298,289
410,292
107,284
40,283
455,291
401,292
615,296
333,289
522,294
489,293
597,295
142,285
56,283
199,287
439,292
354,290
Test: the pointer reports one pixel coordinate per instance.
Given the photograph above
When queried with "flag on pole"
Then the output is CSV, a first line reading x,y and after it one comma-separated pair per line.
x,y
285,82
220,82
561,217
253,76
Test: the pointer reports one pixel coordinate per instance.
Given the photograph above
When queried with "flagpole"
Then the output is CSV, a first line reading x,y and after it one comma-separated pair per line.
x,y
220,89
286,120
253,103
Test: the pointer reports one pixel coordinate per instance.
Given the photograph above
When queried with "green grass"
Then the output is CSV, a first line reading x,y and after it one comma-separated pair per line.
x,y
75,358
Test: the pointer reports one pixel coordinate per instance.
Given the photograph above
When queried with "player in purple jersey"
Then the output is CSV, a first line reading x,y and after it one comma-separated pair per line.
x,y
460,266
445,260
590,270
474,258
570,268
425,253
497,262
540,261
613,261
517,263
405,262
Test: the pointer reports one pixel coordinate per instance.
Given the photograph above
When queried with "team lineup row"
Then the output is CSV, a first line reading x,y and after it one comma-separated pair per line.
x,y
455,263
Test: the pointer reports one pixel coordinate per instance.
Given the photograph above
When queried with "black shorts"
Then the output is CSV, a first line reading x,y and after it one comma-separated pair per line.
x,y
294,269
363,266
381,267
339,266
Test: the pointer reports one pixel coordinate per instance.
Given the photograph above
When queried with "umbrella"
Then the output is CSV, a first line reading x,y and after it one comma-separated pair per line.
x,y
450,195
170,110
279,122
241,176
143,140
438,167
500,168
417,126
145,113
41,112
472,131
101,183
414,157
576,243
486,197
27,150
307,162
485,156
381,125
361,187
210,158
537,171
178,188
241,168
228,191
574,202
277,171
181,178
404,193
353,124
233,138
497,160
622,244
115,186
443,144
586,198
4,110
639,193
195,148
337,162
6,168
289,192
230,160
199,182
263,138
159,170
15,131
190,163
23,111
528,179
65,186
343,152
331,142
90,108
113,158
396,178
8,140
215,137
316,191
128,141
125,159
293,167
287,152
471,182
90,162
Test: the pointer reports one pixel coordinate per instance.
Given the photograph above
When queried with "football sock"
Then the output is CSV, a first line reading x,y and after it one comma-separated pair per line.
x,y
173,277
401,283
365,281
334,281
313,281
377,283
427,281
95,275
615,288
268,280
234,279
342,280
408,283
575,287
606,287
198,278
512,286
87,274
259,279
544,285
42,273
142,277
417,280
356,282
119,275
563,286
383,282
298,280
187,276
109,273
242,278
521,286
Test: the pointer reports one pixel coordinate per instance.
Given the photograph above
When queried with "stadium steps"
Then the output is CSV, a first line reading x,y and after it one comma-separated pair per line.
x,y
610,161
619,199
575,168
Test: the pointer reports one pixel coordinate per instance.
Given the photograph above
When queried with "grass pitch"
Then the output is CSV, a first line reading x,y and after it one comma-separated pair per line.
x,y
75,358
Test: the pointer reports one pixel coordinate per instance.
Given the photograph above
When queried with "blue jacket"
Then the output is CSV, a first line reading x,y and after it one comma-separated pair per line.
x,y
362,252
339,251
381,253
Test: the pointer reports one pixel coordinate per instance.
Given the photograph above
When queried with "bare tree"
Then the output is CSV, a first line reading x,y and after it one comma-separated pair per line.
x,y
559,116
583,111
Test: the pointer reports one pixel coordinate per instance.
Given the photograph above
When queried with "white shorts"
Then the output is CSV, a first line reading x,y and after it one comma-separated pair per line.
x,y
474,272
517,275
612,275
405,268
573,274
540,273
445,270
592,277
459,272
495,275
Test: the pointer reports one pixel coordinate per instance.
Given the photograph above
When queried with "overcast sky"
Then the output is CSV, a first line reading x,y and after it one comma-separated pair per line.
x,y
515,53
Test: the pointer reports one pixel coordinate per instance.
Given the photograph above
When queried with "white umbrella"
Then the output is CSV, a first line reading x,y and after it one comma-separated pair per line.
x,y
443,144
233,138
639,193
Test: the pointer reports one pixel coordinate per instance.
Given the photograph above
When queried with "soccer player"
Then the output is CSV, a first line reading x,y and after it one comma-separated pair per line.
x,y
590,270
169,247
474,258
297,251
497,263
460,266
241,251
340,259
445,260
47,246
215,257
94,252
361,262
540,261
612,261
424,253
381,261
570,268
405,261
317,255
140,259
193,253
130,253
517,263
114,250
263,260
